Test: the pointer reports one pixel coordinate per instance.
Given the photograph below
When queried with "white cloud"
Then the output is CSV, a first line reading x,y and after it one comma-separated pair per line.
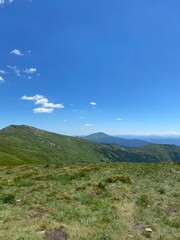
x,y
34,98
46,106
43,110
119,119
30,70
93,103
1,79
82,117
89,124
41,100
74,110
52,105
17,52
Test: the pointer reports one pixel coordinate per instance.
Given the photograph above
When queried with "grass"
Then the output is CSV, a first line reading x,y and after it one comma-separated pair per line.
x,y
90,201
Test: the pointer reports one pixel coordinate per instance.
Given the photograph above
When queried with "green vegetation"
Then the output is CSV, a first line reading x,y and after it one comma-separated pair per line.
x,y
27,145
108,201
24,144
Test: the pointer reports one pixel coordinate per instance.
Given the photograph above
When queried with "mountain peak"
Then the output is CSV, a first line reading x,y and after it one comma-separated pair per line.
x,y
101,137
16,127
99,134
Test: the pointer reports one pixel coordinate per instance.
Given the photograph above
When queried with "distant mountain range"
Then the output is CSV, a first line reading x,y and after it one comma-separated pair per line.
x,y
28,145
158,139
133,140
101,137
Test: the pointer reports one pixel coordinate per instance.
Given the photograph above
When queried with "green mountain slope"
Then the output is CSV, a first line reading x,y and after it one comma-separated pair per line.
x,y
107,139
24,144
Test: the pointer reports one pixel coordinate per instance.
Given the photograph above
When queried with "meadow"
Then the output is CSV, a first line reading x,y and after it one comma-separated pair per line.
x,y
97,201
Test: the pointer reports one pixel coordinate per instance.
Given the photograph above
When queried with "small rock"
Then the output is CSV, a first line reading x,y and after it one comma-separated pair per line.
x,y
42,232
18,201
148,230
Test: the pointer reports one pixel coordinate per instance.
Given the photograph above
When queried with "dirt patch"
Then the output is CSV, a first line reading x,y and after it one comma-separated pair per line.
x,y
172,208
55,234
36,215
95,194
139,226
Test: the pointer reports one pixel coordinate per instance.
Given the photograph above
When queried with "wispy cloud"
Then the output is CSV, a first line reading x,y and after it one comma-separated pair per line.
x,y
93,103
119,119
16,52
45,105
16,70
28,52
2,2
89,124
20,53
21,72
30,70
2,71
1,79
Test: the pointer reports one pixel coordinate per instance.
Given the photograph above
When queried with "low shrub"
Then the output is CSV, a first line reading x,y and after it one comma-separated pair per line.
x,y
143,201
7,198
121,178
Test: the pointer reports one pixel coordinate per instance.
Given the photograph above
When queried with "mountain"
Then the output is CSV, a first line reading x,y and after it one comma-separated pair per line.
x,y
24,145
170,140
107,139
158,139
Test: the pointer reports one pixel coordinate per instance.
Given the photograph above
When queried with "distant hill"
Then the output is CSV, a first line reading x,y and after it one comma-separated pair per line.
x,y
107,139
25,144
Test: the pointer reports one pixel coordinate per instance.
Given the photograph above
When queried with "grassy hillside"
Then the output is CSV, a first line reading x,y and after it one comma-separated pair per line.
x,y
115,201
24,144
107,139
159,152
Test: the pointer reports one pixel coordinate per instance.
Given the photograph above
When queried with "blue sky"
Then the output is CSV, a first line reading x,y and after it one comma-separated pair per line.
x,y
78,67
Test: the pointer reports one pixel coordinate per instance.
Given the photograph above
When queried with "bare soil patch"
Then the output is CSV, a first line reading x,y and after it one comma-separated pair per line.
x,y
55,234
